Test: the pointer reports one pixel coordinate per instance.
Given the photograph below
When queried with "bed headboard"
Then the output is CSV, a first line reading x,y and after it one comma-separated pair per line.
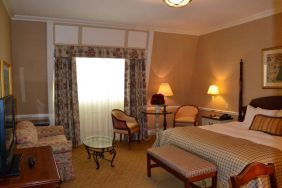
x,y
269,102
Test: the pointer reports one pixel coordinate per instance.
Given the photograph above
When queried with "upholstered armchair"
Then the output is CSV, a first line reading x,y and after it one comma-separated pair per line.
x,y
125,124
186,114
30,136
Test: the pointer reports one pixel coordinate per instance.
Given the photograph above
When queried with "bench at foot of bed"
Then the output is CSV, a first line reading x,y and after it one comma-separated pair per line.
x,y
184,165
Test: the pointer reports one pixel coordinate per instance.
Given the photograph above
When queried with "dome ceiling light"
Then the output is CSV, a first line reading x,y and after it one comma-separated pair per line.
x,y
177,3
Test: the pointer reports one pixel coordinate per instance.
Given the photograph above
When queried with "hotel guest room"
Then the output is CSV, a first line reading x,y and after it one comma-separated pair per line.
x,y
115,78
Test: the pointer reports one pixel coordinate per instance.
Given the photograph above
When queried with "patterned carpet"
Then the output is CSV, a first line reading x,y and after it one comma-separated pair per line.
x,y
129,171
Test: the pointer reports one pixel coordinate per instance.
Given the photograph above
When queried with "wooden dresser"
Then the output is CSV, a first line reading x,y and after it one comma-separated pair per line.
x,y
44,174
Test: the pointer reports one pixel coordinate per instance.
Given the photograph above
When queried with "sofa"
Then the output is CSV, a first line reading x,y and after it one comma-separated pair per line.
x,y
29,135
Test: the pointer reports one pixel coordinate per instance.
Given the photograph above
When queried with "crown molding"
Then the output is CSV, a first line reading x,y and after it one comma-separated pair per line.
x,y
101,24
7,8
242,21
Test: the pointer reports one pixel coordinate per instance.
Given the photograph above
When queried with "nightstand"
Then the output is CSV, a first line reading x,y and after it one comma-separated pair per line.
x,y
208,120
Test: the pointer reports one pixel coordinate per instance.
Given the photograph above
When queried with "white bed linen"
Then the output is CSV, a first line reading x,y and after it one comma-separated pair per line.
x,y
239,130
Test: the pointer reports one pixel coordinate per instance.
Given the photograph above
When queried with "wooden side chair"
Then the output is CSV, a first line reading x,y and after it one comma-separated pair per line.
x,y
125,124
253,171
186,114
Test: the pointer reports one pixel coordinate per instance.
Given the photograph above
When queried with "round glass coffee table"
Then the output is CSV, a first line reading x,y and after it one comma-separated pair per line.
x,y
98,145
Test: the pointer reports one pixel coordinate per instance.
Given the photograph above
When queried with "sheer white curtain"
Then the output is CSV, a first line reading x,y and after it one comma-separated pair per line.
x,y
100,83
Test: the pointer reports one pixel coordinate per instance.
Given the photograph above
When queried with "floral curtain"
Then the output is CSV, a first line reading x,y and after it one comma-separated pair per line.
x,y
135,91
103,52
135,70
66,100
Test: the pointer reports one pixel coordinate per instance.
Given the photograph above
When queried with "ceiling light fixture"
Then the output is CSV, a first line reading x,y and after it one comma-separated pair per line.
x,y
177,3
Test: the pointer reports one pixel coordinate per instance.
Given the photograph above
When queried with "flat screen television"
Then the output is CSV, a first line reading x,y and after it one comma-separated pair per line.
x,y
9,162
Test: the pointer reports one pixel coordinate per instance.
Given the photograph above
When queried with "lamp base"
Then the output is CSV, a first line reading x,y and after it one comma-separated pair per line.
x,y
157,108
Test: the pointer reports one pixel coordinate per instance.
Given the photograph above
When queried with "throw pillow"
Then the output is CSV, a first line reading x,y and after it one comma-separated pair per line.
x,y
252,111
267,124
279,113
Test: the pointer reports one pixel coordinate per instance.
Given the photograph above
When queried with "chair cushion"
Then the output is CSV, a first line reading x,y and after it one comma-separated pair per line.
x,y
185,119
45,131
132,124
26,133
124,131
58,143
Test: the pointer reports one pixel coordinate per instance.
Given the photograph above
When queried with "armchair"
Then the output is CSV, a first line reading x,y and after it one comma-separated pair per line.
x,y
125,124
30,136
186,114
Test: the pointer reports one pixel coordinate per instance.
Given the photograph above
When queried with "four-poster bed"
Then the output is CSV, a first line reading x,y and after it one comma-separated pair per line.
x,y
232,146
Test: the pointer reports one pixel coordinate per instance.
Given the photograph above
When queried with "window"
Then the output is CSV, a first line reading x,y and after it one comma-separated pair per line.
x,y
100,83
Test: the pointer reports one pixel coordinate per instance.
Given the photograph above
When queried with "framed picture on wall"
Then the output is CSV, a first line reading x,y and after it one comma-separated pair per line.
x,y
6,78
272,67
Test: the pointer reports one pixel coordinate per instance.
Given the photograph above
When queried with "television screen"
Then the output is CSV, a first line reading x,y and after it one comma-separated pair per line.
x,y
8,162
9,122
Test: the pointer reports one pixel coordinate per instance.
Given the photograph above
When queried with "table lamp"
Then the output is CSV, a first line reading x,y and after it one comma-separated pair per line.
x,y
165,89
213,90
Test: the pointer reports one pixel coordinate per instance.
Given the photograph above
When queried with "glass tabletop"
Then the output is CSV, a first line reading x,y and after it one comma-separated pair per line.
x,y
98,142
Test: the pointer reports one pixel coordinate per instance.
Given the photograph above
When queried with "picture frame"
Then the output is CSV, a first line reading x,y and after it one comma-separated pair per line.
x,y
272,67
5,78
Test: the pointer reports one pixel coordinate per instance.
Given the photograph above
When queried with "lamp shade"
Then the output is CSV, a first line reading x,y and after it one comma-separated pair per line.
x,y
165,89
177,3
213,90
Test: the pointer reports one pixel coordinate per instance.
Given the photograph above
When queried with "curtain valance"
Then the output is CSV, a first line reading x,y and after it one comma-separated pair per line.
x,y
102,52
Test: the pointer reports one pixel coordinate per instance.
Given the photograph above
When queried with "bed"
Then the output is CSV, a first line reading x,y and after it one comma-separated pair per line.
x,y
230,146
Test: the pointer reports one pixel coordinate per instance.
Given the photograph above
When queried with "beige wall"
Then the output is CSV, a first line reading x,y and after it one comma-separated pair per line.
x,y
189,63
173,59
30,67
218,57
5,36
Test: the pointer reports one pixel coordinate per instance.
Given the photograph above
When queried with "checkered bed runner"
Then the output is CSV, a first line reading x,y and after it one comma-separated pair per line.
x,y
229,154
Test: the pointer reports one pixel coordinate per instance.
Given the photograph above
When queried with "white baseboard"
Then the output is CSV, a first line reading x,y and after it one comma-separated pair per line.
x,y
219,111
201,108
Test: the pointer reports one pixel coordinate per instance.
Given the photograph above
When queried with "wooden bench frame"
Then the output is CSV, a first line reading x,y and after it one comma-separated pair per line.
x,y
187,181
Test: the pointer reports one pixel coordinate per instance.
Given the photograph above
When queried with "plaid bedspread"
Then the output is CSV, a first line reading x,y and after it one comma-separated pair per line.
x,y
229,154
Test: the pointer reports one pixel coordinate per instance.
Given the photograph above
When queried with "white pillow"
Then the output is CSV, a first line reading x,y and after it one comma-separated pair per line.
x,y
249,116
267,112
252,111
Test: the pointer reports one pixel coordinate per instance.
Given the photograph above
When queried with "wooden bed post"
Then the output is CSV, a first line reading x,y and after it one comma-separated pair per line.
x,y
240,117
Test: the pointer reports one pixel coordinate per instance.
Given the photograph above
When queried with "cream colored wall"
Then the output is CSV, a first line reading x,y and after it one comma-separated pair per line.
x,y
30,67
218,57
5,34
189,63
173,59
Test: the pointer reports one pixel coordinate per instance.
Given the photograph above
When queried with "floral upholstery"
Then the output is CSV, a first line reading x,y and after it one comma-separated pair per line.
x,y
46,131
58,143
27,135
30,136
